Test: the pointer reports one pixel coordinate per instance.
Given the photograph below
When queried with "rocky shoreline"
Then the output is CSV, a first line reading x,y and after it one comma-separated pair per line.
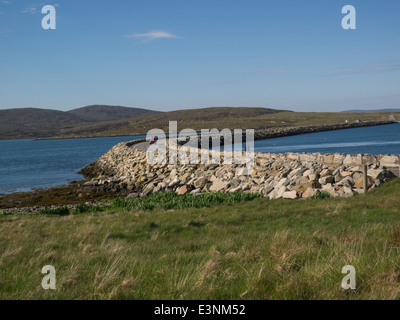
x,y
123,171
55,197
290,175
270,133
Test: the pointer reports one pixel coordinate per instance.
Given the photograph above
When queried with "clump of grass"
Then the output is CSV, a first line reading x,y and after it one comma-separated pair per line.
x,y
171,200
321,195
84,208
61,211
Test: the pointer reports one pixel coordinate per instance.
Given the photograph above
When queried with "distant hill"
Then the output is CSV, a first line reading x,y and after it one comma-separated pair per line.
x,y
97,113
33,122
42,123
197,119
378,110
85,122
215,113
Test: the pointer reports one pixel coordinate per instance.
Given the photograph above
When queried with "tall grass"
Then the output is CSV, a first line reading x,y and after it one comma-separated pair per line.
x,y
170,200
258,249
61,211
158,201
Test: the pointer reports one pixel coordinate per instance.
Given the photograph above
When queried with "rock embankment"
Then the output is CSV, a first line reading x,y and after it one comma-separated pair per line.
x,y
292,176
278,132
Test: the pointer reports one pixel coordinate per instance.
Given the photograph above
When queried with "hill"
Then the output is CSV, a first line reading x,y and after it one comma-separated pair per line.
x,y
213,113
42,123
86,122
99,113
33,122
217,117
101,120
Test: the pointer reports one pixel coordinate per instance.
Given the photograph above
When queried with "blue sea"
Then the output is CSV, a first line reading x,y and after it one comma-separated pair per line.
x,y
27,164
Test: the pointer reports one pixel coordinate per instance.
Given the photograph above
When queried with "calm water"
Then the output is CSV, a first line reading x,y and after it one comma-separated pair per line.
x,y
371,140
26,164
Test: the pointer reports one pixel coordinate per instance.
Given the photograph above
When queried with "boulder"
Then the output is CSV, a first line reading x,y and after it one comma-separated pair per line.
x,y
313,176
173,183
325,172
389,161
345,174
196,191
218,185
307,172
346,182
266,190
377,174
346,192
283,182
277,193
200,183
326,180
359,183
304,186
310,192
290,195
330,189
235,182
183,190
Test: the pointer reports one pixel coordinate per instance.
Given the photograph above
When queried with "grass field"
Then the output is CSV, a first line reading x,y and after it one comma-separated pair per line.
x,y
256,249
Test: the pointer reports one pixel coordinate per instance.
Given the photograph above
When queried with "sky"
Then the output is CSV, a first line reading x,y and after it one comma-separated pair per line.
x,y
180,54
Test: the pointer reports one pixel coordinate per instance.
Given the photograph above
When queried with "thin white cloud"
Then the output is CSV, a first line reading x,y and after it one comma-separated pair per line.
x,y
30,10
6,2
154,35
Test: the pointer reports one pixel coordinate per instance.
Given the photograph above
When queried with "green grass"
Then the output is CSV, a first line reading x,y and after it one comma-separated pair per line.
x,y
62,211
321,195
164,200
170,200
255,249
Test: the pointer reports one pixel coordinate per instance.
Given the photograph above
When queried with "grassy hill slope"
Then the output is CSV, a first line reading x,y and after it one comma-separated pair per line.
x,y
86,122
97,113
190,118
33,122
41,123
219,118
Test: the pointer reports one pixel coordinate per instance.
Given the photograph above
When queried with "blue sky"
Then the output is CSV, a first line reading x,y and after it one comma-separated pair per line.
x,y
178,54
